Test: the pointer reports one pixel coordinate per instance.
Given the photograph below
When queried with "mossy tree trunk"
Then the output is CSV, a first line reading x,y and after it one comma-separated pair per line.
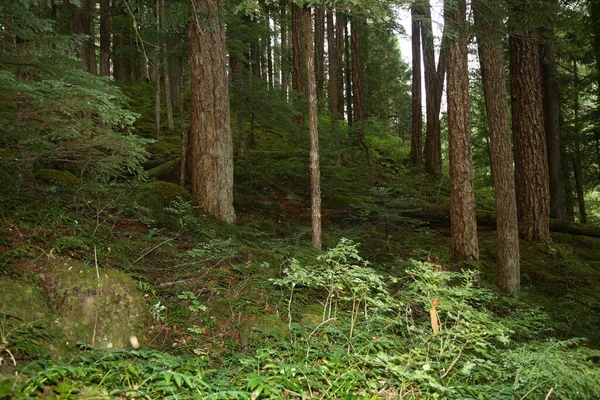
x,y
211,144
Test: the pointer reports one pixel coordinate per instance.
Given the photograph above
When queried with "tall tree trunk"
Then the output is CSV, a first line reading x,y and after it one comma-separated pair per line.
x,y
166,70
416,144
297,58
269,50
285,52
315,176
348,73
463,222
531,160
491,57
595,24
81,24
210,132
105,37
157,76
551,112
358,106
577,150
334,58
184,131
320,53
339,44
433,146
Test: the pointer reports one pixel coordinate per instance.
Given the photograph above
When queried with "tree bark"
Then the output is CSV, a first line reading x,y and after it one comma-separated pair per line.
x,y
416,144
334,58
491,57
577,150
210,132
105,37
339,44
315,178
358,106
463,222
320,53
297,57
269,50
184,131
166,70
157,76
348,73
531,160
433,146
81,24
551,123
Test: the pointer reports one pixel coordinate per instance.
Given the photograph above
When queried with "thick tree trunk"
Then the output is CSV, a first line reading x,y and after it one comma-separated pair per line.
x,y
433,146
463,222
105,37
416,144
491,58
157,76
315,177
551,123
297,58
210,132
320,53
531,160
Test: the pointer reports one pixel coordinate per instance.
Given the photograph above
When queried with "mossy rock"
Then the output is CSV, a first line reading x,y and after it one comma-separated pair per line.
x,y
157,195
261,327
163,150
103,311
56,177
312,315
23,304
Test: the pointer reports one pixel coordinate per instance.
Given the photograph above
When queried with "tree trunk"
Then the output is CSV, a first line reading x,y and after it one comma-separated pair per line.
x,y
315,177
105,37
531,160
297,57
416,144
320,53
358,106
81,24
157,76
269,50
339,45
463,222
334,58
551,112
491,58
577,150
210,132
285,52
595,18
348,73
433,146
166,70
184,132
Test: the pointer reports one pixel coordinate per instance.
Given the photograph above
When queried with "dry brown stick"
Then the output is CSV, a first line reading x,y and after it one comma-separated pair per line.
x,y
445,374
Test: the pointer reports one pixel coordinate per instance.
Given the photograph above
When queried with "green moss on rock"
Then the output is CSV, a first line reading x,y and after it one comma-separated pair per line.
x,y
261,327
103,311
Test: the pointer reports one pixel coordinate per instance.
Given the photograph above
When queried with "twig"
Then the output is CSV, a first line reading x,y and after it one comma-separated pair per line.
x,y
445,374
96,264
439,189
313,332
549,394
95,326
158,245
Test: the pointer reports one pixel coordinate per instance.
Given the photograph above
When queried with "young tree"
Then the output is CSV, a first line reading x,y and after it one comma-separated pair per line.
x,y
315,174
358,104
334,83
463,222
298,55
211,145
488,20
416,145
531,161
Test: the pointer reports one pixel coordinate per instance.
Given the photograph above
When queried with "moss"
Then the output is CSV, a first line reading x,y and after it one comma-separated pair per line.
x,y
103,311
56,177
156,196
261,327
312,315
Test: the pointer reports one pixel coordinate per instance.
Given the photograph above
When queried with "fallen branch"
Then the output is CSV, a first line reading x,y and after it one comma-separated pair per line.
x,y
445,374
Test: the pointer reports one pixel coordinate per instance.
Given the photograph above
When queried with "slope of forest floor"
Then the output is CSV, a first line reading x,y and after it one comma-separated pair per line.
x,y
252,310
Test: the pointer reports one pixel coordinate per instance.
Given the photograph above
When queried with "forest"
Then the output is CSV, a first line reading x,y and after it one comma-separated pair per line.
x,y
277,199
